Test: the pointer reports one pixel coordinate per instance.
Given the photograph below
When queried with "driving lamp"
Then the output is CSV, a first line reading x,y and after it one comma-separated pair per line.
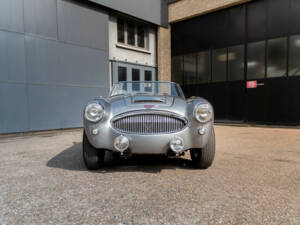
x,y
203,113
94,112
121,143
176,144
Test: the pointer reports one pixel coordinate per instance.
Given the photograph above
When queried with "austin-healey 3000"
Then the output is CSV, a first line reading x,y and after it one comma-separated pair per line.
x,y
148,118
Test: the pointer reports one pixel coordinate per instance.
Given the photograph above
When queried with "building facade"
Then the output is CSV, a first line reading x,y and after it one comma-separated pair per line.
x,y
55,55
243,56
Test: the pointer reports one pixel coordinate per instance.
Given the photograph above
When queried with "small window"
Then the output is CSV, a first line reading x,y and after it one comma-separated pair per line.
x,y
236,63
121,31
276,57
122,73
204,67
190,67
148,75
294,59
135,77
131,33
141,36
219,64
256,60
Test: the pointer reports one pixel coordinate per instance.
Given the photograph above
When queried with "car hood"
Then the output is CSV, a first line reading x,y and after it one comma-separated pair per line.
x,y
123,104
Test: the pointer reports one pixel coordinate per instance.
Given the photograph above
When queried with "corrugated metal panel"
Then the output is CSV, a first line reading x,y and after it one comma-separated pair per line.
x,y
83,26
11,15
12,57
40,17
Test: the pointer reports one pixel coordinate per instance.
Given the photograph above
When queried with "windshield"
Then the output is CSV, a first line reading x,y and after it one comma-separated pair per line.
x,y
129,88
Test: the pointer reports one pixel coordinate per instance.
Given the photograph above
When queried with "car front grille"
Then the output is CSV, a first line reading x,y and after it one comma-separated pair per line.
x,y
149,123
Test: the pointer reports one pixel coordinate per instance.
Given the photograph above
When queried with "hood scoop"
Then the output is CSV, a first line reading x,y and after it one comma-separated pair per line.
x,y
147,99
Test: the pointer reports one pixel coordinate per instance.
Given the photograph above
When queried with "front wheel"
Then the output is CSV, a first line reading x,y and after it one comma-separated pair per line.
x,y
93,158
203,158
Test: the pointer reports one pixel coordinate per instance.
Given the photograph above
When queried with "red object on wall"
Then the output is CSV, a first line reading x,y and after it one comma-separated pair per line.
x,y
252,84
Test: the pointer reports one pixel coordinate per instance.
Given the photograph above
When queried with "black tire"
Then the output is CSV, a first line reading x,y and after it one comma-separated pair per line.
x,y
203,158
93,158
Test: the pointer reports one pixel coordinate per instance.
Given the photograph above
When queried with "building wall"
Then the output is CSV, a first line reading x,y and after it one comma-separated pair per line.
x,y
178,11
164,53
186,9
128,54
153,11
53,59
253,42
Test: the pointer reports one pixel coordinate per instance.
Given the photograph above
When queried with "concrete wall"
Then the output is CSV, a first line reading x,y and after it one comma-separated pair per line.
x,y
154,11
129,54
183,10
53,59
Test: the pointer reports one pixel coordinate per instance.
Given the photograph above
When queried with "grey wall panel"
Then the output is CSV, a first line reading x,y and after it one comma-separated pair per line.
x,y
40,17
84,66
42,60
13,108
53,107
11,15
51,62
73,101
154,11
45,82
44,107
82,25
12,57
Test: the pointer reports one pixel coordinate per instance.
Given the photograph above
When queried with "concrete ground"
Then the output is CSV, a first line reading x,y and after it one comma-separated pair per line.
x,y
255,179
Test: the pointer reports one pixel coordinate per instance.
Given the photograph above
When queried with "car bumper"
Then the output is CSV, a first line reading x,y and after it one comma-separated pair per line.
x,y
147,144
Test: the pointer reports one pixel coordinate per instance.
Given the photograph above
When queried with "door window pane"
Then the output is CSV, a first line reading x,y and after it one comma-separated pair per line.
x,y
148,75
122,73
219,64
130,33
203,67
294,59
135,77
276,64
236,63
177,69
135,74
256,60
141,36
121,30
189,66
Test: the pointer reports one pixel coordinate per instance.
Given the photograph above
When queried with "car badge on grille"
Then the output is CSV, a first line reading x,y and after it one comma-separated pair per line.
x,y
148,106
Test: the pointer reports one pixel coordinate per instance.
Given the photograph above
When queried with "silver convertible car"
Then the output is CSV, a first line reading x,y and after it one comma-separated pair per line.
x,y
148,118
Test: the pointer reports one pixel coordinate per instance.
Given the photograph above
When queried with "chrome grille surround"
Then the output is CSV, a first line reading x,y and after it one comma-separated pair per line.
x,y
149,122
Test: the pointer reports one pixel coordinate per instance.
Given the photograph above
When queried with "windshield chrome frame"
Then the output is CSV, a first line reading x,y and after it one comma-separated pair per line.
x,y
178,88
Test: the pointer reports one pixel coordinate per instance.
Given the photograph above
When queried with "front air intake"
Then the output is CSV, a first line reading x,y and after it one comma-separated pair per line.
x,y
149,123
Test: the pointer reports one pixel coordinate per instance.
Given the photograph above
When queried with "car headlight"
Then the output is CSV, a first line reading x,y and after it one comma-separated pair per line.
x,y
203,113
94,112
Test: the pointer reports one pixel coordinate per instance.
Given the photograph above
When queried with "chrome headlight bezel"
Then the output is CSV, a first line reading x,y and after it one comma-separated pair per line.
x,y
94,112
203,113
